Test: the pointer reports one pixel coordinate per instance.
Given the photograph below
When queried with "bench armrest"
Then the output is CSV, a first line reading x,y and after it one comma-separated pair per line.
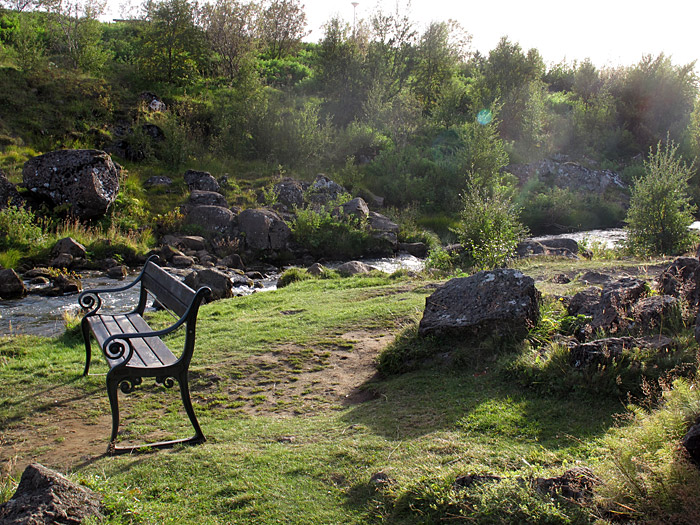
x,y
113,346
90,299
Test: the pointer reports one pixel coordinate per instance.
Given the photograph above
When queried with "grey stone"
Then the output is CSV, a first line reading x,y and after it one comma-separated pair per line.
x,y
8,193
356,207
45,496
158,180
220,283
354,268
70,246
11,285
653,313
206,198
691,443
201,180
85,180
263,230
681,279
212,219
500,302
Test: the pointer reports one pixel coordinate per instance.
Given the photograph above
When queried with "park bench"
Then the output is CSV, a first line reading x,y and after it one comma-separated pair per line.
x,y
133,350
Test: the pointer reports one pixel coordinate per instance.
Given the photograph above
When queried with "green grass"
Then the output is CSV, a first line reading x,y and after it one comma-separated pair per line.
x,y
279,450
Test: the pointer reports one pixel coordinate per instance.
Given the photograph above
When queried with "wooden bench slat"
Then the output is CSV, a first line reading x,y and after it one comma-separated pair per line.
x,y
153,350
170,291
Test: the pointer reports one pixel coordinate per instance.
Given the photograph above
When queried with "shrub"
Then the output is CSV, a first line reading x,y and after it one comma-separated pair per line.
x,y
489,228
660,210
19,228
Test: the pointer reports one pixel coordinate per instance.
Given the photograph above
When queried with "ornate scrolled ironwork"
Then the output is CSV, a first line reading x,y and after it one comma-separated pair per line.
x,y
129,384
116,349
166,381
90,301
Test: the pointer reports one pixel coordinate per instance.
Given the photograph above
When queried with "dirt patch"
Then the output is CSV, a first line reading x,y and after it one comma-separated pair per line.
x,y
71,429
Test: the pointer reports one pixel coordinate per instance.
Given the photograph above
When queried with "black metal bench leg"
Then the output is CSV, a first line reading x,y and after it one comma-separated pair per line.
x,y
88,351
112,385
187,402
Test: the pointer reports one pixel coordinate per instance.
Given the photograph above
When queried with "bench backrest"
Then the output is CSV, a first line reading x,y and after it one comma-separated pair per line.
x,y
172,293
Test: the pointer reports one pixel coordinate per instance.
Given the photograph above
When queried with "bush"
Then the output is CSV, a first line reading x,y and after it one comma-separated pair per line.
x,y
660,210
489,228
18,228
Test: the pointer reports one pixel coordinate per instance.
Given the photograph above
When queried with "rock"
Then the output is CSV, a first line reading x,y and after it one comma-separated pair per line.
x,y
153,132
575,484
85,180
560,278
201,180
212,219
62,260
219,282
604,351
384,228
417,249
466,481
158,180
316,269
11,285
357,208
232,261
500,302
551,247
45,496
616,302
117,272
70,246
182,261
152,102
380,480
324,190
354,268
584,302
167,252
290,192
691,443
206,198
681,279
8,193
562,243
264,230
651,314
63,285
595,278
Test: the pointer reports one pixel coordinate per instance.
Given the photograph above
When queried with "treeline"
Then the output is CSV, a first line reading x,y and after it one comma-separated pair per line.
x,y
408,113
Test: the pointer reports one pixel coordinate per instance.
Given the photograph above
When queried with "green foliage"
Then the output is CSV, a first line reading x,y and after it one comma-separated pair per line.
x,y
19,228
489,228
646,475
10,258
660,210
295,275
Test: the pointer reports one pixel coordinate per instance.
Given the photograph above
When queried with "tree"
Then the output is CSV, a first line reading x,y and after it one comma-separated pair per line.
x,y
77,32
171,44
283,26
660,210
231,28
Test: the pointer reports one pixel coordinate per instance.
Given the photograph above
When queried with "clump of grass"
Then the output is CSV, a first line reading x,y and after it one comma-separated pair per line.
x,y
646,473
294,275
10,258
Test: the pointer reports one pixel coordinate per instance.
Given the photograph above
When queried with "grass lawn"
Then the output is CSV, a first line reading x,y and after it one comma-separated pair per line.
x,y
300,427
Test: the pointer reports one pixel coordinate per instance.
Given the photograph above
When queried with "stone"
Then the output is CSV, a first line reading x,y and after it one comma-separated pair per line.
x,y
85,180
650,314
467,480
560,278
584,302
616,302
316,269
354,268
167,252
595,278
604,351
290,192
158,181
561,243
384,228
220,283
70,246
63,285
324,185
357,208
182,261
503,303
232,261
62,260
212,219
681,279
11,285
417,249
45,496
201,180
691,443
206,198
153,102
264,230
8,193
575,484
117,272
550,247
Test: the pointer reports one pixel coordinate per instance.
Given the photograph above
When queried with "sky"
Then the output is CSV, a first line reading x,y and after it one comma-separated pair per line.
x,y
609,32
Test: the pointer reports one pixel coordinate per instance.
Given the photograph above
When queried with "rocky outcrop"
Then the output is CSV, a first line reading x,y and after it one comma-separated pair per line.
x,y
45,496
263,230
85,180
503,302
562,172
681,279
691,443
290,192
384,229
604,351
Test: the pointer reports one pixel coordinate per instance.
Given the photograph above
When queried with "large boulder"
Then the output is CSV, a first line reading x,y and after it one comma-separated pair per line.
x,y
206,198
220,283
290,192
384,228
201,180
323,190
605,351
354,268
212,219
11,285
617,300
500,302
70,246
85,180
357,208
263,230
45,496
8,193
